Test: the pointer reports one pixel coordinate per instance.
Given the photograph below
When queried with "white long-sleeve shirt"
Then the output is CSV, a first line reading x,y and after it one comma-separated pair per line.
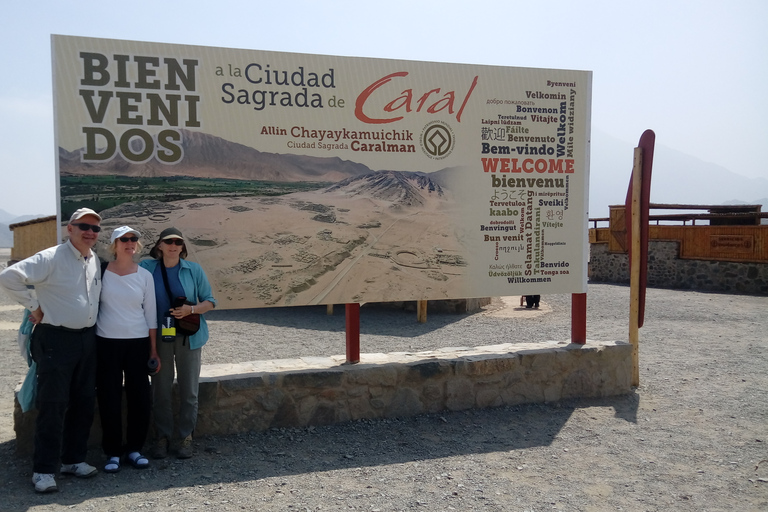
x,y
127,307
65,285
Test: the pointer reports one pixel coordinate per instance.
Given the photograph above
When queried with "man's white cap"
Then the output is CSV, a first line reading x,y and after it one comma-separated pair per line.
x,y
82,212
122,231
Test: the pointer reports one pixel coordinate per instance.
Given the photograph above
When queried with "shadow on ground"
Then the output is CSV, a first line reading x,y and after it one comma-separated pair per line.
x,y
374,319
359,444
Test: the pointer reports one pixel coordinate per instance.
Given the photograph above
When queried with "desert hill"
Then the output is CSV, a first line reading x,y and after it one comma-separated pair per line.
x,y
399,187
208,156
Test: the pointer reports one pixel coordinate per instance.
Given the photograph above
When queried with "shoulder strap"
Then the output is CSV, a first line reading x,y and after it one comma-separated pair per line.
x,y
165,280
168,290
104,265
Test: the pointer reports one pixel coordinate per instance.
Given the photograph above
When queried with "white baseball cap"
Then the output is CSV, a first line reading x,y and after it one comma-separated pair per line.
x,y
82,212
122,231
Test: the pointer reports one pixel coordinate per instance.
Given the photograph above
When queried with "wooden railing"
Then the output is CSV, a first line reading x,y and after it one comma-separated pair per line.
x,y
721,242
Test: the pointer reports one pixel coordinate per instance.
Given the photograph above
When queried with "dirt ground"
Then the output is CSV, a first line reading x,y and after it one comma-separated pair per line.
x,y
692,437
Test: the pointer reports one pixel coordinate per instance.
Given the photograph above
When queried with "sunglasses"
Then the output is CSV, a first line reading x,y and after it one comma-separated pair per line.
x,y
83,226
172,241
126,239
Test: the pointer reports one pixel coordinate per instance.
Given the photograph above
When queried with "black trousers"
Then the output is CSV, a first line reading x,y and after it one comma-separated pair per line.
x,y
532,301
120,358
66,392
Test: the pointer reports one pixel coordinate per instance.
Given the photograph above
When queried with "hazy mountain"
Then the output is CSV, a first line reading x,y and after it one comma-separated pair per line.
x,y
6,218
677,178
6,236
207,156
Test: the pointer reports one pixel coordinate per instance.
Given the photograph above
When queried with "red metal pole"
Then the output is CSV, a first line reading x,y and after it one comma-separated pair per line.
x,y
579,318
353,332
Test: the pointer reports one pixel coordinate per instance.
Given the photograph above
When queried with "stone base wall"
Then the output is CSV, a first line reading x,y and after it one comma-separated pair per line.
x,y
301,392
667,270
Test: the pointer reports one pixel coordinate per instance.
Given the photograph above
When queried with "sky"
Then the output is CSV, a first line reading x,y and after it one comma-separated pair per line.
x,y
693,71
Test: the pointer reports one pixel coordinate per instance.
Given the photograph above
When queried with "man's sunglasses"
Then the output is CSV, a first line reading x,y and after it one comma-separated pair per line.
x,y
172,241
83,226
126,239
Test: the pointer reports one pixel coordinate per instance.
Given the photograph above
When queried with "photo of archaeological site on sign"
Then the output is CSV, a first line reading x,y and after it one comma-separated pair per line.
x,y
305,179
360,238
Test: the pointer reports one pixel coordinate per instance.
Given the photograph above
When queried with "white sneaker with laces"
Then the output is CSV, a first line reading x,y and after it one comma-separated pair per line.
x,y
80,470
44,482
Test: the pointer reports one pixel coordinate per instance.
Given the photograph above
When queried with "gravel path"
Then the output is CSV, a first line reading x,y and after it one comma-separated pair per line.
x,y
693,436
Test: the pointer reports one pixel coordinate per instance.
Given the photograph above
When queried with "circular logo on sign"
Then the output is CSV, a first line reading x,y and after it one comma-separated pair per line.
x,y
437,140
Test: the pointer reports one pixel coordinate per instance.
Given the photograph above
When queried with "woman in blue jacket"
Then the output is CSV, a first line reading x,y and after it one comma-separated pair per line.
x,y
185,279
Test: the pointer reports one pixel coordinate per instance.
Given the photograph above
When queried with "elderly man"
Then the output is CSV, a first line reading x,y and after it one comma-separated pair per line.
x,y
61,286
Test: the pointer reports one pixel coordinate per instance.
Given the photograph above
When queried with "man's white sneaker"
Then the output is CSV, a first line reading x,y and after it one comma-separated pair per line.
x,y
80,470
44,482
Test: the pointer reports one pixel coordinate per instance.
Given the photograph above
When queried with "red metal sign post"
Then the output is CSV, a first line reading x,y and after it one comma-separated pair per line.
x,y
353,332
579,318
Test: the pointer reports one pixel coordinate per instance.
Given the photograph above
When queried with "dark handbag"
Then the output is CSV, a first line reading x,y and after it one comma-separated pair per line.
x,y
188,325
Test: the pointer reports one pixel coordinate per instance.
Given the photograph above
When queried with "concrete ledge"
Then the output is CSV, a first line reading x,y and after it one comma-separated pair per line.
x,y
324,390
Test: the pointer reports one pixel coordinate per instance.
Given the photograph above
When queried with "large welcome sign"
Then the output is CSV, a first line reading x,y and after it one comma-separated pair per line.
x,y
310,179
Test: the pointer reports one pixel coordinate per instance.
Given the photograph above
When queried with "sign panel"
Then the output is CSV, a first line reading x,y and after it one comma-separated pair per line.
x,y
310,179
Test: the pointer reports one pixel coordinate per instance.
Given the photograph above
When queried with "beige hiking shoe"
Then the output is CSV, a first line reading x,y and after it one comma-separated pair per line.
x,y
185,449
80,470
160,450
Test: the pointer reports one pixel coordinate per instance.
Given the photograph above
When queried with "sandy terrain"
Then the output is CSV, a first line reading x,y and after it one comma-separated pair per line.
x,y
338,248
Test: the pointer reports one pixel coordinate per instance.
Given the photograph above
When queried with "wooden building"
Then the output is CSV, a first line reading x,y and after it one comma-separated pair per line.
x,y
709,247
32,236
733,233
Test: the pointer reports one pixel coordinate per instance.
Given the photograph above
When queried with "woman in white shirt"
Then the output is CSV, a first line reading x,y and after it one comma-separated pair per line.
x,y
125,344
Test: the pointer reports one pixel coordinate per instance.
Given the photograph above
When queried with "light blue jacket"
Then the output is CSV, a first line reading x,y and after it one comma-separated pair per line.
x,y
28,392
196,288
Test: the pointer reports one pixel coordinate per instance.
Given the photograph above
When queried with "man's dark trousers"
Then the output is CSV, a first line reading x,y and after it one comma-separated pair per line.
x,y
66,392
